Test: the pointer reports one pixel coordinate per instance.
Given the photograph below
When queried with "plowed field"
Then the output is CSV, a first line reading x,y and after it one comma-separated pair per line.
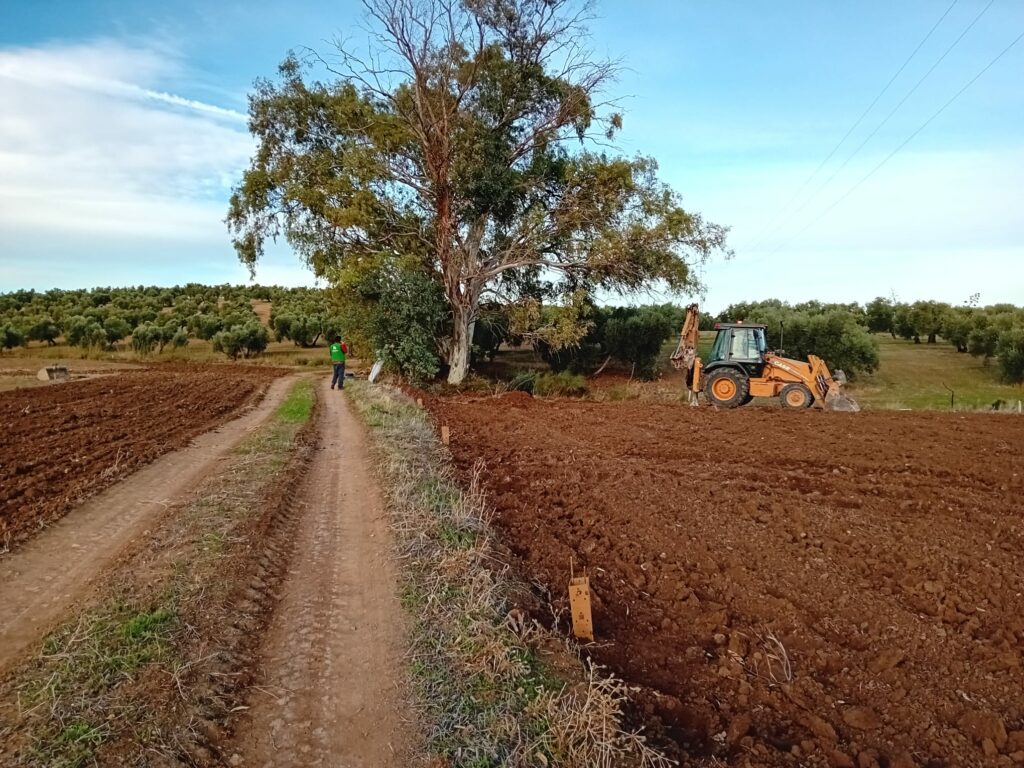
x,y
62,443
782,588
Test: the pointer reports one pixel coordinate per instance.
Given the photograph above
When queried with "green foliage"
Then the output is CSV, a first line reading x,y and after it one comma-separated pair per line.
x,y
523,381
957,326
248,340
86,333
10,336
116,328
1010,349
408,321
880,315
982,341
468,171
205,326
838,339
298,407
150,336
636,336
927,318
563,383
492,329
43,329
902,325
830,331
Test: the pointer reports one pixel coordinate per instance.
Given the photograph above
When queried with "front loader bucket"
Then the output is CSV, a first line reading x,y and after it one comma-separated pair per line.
x,y
53,373
837,400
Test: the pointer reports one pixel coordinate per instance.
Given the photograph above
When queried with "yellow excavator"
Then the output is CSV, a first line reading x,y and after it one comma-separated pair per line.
x,y
740,368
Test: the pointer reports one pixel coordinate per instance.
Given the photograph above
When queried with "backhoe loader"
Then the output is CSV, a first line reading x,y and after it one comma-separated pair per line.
x,y
740,368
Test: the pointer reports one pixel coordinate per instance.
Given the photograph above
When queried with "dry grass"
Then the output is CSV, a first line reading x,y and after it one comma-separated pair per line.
x,y
483,695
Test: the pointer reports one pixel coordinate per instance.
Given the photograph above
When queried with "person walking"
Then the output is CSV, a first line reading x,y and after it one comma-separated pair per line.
x,y
339,350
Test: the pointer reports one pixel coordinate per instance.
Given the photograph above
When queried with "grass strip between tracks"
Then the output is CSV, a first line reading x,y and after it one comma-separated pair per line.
x,y
483,672
151,669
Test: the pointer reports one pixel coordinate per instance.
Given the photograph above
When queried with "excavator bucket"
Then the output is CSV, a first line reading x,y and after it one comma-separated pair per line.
x,y
53,373
837,400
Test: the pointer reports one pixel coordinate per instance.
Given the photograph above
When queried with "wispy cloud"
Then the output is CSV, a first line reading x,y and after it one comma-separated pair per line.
x,y
95,138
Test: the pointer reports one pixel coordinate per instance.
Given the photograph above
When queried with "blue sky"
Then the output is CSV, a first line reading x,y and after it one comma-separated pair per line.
x,y
123,129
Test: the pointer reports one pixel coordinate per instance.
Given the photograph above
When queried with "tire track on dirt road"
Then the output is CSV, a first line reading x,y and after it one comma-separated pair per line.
x,y
328,693
58,566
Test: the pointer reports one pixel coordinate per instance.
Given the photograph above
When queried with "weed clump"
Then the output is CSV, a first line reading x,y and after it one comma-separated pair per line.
x,y
561,384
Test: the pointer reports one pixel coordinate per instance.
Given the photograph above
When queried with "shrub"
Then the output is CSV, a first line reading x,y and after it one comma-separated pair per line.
x,y
44,329
205,326
116,328
406,323
246,340
836,336
636,338
523,381
85,332
490,331
1010,349
982,342
10,336
563,383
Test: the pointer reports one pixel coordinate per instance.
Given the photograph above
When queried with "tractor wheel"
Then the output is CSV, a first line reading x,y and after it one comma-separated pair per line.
x,y
796,396
727,388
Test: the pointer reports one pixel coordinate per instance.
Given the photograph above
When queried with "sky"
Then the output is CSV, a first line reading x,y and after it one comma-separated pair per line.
x,y
123,130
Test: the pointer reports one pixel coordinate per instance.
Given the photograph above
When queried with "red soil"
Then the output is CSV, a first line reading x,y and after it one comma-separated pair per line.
x,y
879,554
62,443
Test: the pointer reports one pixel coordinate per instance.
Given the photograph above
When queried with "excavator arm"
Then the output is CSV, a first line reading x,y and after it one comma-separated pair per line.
x,y
686,349
685,356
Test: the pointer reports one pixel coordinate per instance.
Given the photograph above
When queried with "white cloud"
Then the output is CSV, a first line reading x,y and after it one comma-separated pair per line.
x,y
93,140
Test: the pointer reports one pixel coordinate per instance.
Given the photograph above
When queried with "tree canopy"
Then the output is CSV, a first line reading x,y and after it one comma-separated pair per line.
x,y
469,147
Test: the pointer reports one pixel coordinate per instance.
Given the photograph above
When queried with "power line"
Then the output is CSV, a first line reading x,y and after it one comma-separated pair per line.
x,y
894,110
904,143
857,123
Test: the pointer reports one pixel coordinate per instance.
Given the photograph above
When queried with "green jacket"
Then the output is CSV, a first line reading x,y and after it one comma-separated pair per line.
x,y
337,353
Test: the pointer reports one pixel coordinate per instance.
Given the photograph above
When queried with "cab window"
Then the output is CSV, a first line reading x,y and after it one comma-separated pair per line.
x,y
719,349
747,344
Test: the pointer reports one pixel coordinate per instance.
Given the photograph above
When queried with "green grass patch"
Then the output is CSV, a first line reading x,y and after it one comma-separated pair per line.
x,y
298,406
85,664
919,376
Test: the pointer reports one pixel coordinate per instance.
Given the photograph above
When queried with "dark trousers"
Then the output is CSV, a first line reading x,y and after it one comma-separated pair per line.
x,y
339,375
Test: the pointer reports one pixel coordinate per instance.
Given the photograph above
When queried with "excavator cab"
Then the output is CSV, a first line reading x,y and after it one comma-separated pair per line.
x,y
739,343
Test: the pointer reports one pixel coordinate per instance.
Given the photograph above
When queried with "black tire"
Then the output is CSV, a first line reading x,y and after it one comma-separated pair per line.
x,y
796,397
727,388
747,400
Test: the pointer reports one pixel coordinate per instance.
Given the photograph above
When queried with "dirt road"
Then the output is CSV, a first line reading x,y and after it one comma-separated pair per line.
x,y
51,572
329,692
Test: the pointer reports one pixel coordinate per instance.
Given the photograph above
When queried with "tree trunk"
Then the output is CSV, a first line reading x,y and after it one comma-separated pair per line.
x,y
462,341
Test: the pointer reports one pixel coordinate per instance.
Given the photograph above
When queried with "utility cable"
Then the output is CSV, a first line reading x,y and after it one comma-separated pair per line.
x,y
904,143
896,108
857,123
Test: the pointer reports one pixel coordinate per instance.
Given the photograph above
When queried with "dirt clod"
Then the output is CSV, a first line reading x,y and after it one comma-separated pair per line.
x,y
862,718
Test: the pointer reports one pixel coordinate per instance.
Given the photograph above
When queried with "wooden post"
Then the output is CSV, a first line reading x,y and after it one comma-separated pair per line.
x,y
579,604
419,401
446,434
